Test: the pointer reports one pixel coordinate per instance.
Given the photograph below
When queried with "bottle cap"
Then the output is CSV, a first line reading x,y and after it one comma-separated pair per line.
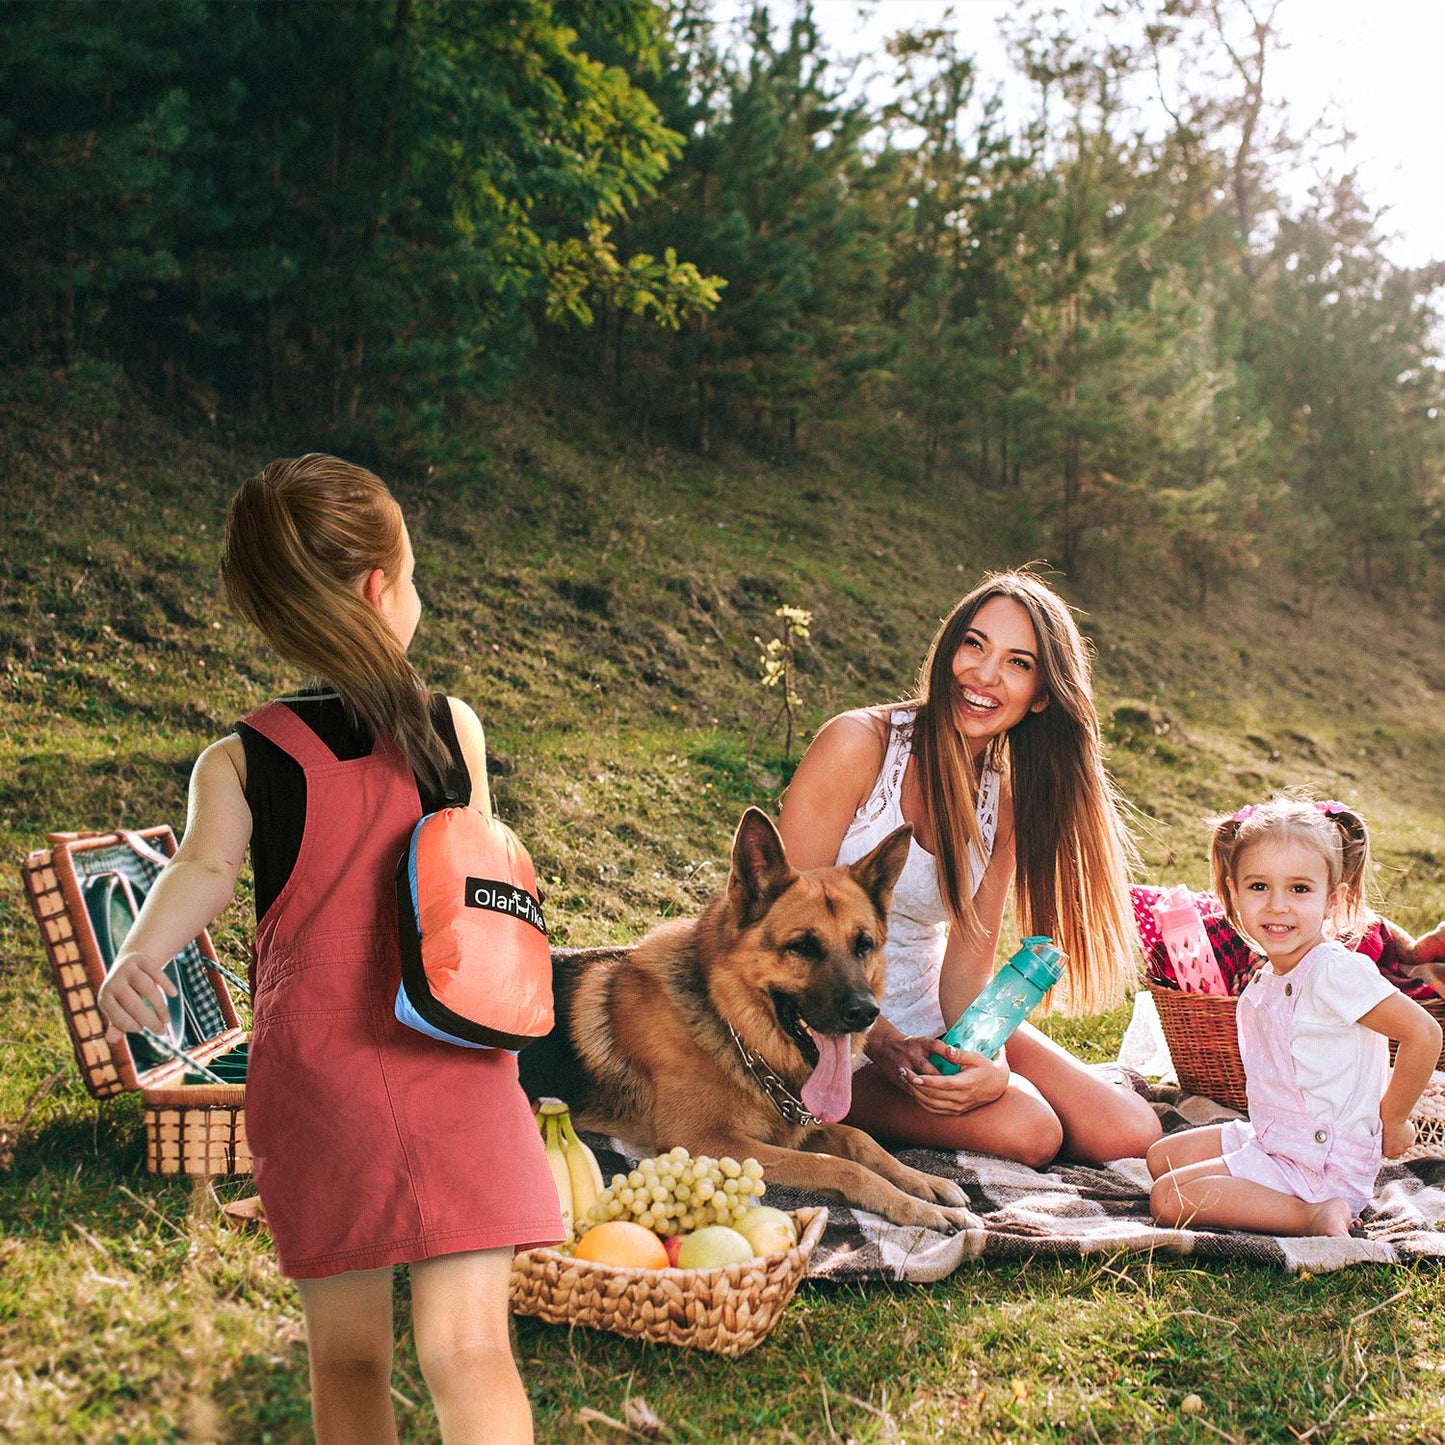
x,y
1040,961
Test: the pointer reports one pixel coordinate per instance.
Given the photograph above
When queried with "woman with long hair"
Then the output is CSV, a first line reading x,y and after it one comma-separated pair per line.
x,y
997,763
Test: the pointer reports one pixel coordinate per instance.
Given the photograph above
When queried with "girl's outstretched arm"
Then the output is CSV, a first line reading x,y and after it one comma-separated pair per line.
x,y
190,891
1418,1035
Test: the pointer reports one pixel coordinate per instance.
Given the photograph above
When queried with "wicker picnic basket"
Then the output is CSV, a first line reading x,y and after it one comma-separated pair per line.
x,y
197,1129
1200,1031
193,1128
1428,1118
727,1310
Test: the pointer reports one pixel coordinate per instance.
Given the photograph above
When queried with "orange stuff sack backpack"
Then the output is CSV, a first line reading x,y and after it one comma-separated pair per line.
x,y
476,967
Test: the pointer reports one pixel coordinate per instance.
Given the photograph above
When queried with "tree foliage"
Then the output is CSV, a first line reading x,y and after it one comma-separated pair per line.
x,y
355,203
1109,302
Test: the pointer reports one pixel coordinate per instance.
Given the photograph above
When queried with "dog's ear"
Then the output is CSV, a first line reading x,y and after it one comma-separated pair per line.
x,y
877,872
760,869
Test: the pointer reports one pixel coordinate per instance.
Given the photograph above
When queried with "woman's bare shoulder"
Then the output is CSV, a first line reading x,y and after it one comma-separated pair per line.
x,y
857,738
832,780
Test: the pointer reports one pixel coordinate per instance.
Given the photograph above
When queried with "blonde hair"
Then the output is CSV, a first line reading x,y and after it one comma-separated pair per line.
x,y
301,537
1336,832
1073,850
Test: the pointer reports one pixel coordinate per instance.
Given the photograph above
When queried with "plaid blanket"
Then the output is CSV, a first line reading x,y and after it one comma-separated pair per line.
x,y
1069,1211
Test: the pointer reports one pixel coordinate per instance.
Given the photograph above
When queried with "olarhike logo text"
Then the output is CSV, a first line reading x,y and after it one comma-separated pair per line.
x,y
505,898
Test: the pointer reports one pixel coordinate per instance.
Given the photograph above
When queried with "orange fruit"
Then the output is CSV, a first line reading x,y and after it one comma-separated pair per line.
x,y
623,1243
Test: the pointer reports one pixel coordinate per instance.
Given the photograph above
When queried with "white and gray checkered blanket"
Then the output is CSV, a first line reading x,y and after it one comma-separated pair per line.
x,y
1069,1211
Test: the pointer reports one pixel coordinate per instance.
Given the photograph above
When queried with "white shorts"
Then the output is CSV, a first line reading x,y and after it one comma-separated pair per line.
x,y
1246,1158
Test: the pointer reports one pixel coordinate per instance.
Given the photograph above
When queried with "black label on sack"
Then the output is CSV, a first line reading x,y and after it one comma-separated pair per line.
x,y
505,898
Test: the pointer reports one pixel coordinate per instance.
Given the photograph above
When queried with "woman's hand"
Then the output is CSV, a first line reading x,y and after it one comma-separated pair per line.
x,y
133,996
907,1065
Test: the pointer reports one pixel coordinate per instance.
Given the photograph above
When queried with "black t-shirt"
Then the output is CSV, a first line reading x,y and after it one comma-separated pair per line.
x,y
276,783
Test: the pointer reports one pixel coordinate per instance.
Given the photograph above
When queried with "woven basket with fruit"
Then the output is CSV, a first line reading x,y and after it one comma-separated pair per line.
x,y
678,1250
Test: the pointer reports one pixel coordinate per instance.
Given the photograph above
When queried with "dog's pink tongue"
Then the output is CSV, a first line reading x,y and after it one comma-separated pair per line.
x,y
828,1094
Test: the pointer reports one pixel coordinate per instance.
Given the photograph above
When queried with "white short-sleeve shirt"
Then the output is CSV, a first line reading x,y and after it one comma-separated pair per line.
x,y
1341,1067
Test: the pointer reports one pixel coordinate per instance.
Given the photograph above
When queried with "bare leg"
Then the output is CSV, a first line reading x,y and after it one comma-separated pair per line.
x,y
1191,1146
349,1335
1205,1193
1019,1125
1100,1120
459,1315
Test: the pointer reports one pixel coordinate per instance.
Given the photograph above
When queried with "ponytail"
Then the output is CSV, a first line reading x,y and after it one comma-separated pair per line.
x,y
301,538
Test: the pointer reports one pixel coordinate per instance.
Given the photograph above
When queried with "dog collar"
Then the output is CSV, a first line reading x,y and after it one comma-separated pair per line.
x,y
783,1099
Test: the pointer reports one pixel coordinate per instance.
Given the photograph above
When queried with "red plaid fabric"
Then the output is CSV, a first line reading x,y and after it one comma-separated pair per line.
x,y
1237,960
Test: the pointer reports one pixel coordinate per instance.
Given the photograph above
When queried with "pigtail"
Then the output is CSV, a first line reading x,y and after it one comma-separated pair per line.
x,y
1357,866
1223,850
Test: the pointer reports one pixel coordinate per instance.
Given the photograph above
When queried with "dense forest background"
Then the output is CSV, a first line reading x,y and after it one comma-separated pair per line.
x,y
1118,312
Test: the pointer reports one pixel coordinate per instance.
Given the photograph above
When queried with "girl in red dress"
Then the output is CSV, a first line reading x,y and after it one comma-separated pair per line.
x,y
374,1145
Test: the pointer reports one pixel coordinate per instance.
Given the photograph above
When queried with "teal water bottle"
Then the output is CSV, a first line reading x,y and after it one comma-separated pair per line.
x,y
1011,995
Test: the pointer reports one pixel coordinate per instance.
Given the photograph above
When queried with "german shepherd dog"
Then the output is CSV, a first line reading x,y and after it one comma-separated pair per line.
x,y
734,1033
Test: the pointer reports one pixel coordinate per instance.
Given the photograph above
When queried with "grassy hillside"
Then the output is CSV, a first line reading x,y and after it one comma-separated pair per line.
x,y
598,602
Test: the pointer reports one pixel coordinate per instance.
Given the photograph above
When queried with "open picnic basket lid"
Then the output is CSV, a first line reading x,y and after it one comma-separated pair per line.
x,y
85,890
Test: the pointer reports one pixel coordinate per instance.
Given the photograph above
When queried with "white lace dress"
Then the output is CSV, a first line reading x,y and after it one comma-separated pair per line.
x,y
918,919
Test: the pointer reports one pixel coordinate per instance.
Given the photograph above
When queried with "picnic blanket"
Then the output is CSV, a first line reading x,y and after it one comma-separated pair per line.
x,y
1069,1211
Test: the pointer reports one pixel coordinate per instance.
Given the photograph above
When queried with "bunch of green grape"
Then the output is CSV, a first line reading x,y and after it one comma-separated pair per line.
x,y
675,1193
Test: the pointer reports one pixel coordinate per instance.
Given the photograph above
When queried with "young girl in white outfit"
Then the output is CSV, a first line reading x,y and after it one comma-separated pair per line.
x,y
1313,1024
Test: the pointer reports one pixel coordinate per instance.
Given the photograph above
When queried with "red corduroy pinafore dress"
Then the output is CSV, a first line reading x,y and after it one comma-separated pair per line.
x,y
373,1144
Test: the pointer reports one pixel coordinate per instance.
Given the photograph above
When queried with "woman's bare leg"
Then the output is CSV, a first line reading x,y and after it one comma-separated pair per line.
x,y
1100,1120
1019,1125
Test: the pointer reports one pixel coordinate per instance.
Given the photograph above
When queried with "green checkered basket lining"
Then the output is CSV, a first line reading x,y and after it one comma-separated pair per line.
x,y
203,1016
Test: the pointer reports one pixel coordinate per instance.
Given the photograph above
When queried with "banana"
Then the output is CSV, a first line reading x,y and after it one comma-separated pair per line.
x,y
574,1166
586,1173
557,1161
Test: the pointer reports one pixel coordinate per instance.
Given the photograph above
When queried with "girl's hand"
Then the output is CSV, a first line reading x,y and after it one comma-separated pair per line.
x,y
907,1065
1396,1138
133,996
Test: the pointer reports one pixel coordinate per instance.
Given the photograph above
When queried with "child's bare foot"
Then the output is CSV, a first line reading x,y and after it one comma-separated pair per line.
x,y
1330,1218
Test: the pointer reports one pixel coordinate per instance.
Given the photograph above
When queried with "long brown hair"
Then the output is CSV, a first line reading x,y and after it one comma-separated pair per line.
x,y
1073,850
301,537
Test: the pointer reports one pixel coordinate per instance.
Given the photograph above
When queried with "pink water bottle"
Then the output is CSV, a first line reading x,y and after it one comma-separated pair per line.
x,y
1181,925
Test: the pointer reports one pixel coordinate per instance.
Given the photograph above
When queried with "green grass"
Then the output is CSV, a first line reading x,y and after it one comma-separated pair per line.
x,y
598,604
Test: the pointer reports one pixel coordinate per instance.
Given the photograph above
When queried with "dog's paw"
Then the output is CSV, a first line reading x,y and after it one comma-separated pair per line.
x,y
936,1188
956,1221
945,1191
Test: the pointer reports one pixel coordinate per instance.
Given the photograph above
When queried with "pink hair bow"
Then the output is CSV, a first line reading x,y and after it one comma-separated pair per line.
x,y
1247,811
1331,807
